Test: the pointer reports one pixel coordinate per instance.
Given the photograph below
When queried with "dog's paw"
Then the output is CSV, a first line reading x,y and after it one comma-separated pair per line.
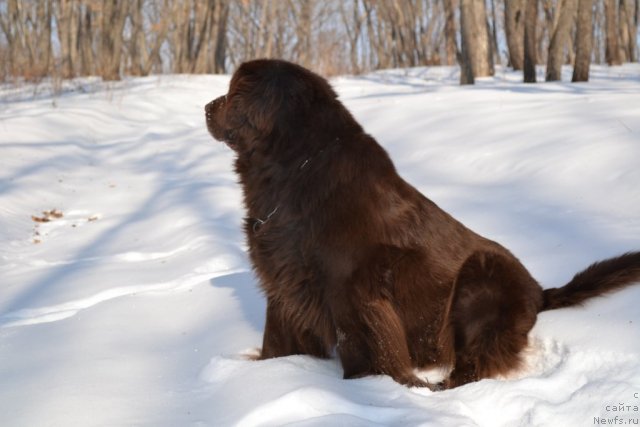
x,y
413,381
437,386
251,354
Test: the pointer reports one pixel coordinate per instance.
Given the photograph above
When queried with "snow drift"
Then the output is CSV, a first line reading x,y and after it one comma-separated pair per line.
x,y
126,297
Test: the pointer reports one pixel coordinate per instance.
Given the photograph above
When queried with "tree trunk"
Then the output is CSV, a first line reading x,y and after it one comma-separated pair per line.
x,y
222,16
561,35
6,25
628,30
468,43
201,36
531,18
353,27
612,52
138,53
475,35
623,28
303,30
450,32
160,20
483,61
514,30
634,17
43,41
86,36
374,60
63,24
584,36
494,34
114,13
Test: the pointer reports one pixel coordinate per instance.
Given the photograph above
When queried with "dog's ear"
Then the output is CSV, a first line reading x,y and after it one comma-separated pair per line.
x,y
266,107
271,97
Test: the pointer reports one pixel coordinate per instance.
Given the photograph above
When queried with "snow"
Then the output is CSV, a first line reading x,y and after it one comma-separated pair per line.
x,y
138,306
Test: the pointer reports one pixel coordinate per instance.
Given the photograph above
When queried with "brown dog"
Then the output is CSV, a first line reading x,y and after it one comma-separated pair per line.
x,y
351,256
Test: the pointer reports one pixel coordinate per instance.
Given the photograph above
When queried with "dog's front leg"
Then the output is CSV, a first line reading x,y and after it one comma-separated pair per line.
x,y
371,339
283,336
278,340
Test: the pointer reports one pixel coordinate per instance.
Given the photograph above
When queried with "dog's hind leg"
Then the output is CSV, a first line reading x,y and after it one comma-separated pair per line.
x,y
493,306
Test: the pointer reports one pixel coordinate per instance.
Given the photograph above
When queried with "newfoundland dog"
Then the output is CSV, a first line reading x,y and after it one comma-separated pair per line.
x,y
353,258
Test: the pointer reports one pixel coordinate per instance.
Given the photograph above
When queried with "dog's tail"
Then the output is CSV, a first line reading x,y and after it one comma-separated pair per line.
x,y
599,278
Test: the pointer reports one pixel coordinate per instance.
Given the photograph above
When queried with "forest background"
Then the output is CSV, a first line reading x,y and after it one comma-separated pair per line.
x,y
63,39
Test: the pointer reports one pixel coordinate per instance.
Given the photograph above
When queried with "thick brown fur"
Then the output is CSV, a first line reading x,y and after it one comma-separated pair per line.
x,y
352,257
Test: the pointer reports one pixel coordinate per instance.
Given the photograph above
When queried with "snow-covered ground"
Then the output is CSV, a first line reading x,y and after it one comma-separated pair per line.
x,y
126,297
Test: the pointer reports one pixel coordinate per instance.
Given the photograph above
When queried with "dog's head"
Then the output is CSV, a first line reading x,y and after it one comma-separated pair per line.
x,y
267,99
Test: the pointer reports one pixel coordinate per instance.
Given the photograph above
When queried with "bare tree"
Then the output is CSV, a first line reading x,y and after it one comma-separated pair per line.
x,y
612,52
149,27
530,20
27,30
623,32
87,35
220,46
196,35
566,12
514,31
634,18
114,14
112,38
42,54
65,15
369,37
493,30
450,32
467,43
353,24
302,11
483,63
476,46
628,25
584,36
